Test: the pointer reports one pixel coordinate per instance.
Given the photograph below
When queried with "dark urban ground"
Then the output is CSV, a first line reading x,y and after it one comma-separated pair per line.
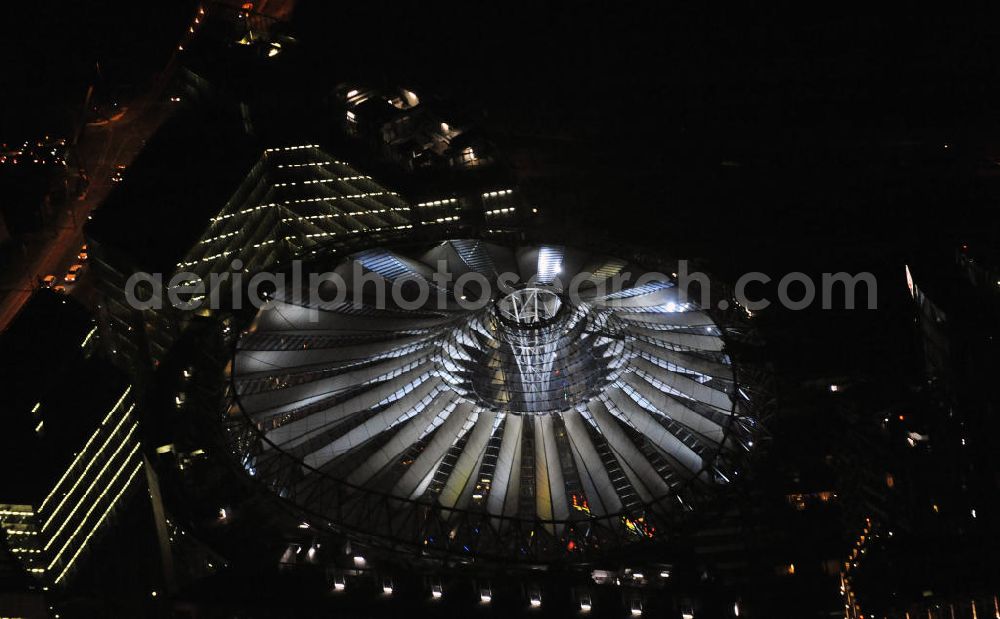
x,y
752,138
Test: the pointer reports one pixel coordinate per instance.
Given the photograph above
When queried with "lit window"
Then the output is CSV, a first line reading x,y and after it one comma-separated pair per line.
x,y
469,156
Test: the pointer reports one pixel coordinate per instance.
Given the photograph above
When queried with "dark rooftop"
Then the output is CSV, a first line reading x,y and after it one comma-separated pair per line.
x,y
41,353
183,176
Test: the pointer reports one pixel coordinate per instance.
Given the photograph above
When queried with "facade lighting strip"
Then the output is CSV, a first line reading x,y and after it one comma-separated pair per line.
x,y
99,522
84,450
91,486
87,339
93,506
83,474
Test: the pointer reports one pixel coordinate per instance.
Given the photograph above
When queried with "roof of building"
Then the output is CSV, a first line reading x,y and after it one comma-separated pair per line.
x,y
183,176
961,283
508,411
56,394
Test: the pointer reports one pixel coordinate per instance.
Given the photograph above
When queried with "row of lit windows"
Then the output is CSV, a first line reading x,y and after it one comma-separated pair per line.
x,y
211,258
222,236
287,148
344,214
377,229
352,196
444,202
497,194
24,512
359,177
312,163
349,196
501,211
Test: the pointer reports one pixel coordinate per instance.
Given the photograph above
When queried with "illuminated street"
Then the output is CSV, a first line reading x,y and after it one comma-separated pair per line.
x,y
100,149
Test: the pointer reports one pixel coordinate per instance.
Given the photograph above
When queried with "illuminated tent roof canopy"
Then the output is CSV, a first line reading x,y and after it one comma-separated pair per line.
x,y
509,429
